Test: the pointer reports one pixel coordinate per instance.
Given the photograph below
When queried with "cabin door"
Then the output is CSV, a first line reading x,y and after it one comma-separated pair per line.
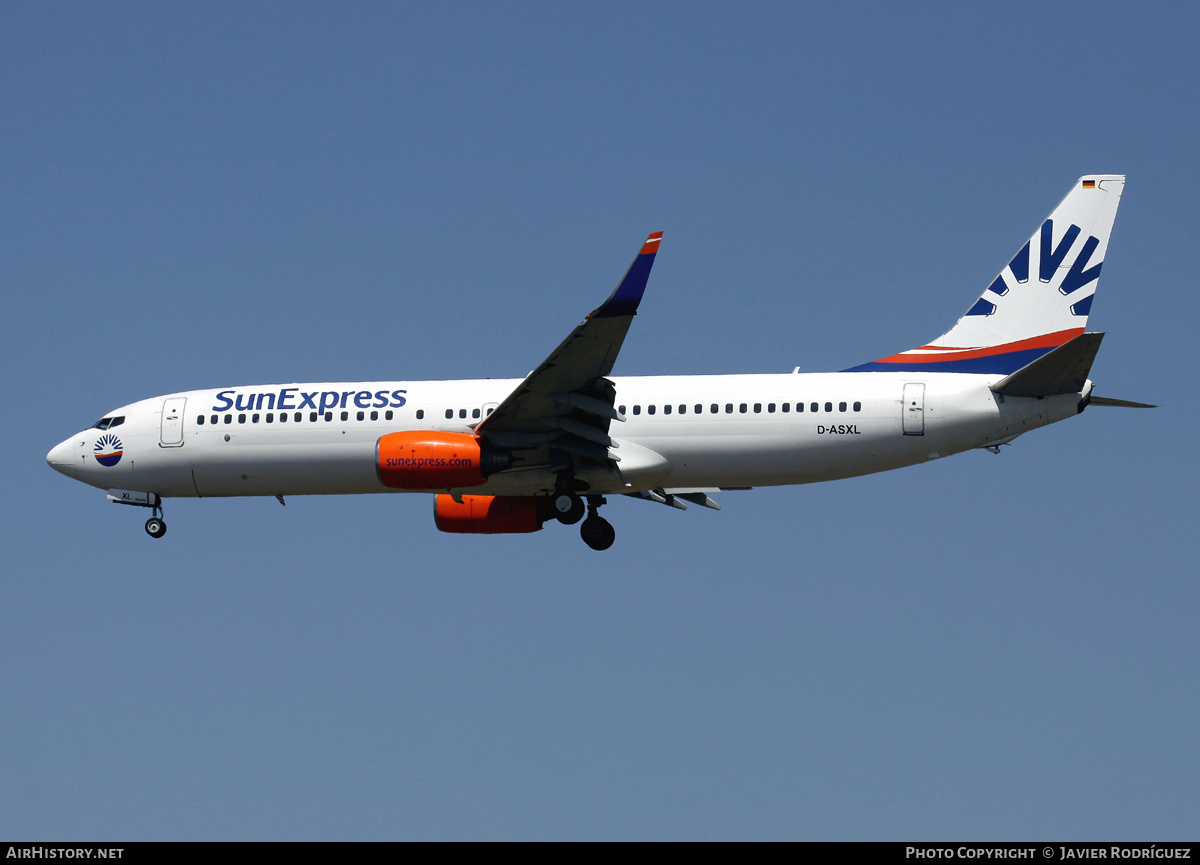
x,y
913,408
172,422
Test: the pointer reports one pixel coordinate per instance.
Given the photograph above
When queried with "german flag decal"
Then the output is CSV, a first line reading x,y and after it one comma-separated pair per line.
x,y
1089,184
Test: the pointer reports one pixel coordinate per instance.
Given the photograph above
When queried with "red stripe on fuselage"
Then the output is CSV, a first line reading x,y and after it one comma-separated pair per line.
x,y
1048,340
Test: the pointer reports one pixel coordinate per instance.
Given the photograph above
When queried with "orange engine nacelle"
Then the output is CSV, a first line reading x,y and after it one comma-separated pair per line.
x,y
434,460
486,515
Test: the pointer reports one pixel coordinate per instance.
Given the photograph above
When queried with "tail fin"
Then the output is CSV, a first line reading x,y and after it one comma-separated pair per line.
x,y
1038,302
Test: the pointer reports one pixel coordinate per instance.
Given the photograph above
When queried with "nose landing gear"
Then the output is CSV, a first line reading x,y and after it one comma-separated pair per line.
x,y
596,531
155,527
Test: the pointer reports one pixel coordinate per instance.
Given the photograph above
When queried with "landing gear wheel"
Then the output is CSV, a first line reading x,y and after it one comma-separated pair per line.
x,y
155,527
568,508
597,533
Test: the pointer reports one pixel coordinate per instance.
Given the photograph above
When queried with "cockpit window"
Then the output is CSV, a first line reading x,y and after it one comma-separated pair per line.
x,y
107,422
117,421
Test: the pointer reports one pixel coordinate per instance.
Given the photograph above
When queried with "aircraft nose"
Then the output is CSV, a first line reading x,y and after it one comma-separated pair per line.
x,y
62,457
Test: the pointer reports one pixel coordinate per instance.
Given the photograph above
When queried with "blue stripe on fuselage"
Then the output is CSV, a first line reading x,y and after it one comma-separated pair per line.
x,y
993,364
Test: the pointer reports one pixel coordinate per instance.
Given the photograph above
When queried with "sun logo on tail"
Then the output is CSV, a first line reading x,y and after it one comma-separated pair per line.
x,y
108,450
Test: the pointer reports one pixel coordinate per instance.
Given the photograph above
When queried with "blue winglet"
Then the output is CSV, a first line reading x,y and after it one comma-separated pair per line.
x,y
628,294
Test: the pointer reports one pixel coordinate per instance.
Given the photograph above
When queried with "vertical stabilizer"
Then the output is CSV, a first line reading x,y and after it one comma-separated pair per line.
x,y
1039,301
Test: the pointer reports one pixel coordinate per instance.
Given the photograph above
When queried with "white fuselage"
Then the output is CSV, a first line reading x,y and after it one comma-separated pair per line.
x,y
864,422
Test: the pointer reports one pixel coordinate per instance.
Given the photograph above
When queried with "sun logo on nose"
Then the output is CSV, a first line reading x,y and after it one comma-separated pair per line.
x,y
108,450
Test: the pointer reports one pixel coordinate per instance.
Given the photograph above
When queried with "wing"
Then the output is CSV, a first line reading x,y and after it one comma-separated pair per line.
x,y
567,404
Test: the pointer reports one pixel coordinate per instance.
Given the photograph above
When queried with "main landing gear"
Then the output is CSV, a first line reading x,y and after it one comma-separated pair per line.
x,y
596,531
565,505
568,507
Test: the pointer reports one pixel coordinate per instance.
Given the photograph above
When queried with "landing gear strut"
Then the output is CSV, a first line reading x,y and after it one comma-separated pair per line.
x,y
596,531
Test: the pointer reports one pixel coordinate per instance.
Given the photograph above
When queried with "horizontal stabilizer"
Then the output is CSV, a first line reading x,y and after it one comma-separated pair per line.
x,y
1064,370
1119,403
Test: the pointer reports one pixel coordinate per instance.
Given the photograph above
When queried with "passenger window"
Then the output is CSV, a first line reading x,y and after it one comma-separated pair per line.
x,y
228,418
699,409
814,407
841,406
770,407
420,414
283,417
462,413
799,406
328,417
637,409
270,417
375,415
200,420
742,408
828,406
297,417
241,418
212,419
345,415
359,416
312,417
683,409
475,412
667,408
449,413
649,409
728,408
858,406
254,419
491,410
758,408
713,409
621,409
387,415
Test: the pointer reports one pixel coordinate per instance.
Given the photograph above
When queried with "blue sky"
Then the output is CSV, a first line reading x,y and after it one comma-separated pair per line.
x,y
201,195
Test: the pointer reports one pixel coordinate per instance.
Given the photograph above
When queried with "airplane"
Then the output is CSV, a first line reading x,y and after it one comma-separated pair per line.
x,y
510,455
